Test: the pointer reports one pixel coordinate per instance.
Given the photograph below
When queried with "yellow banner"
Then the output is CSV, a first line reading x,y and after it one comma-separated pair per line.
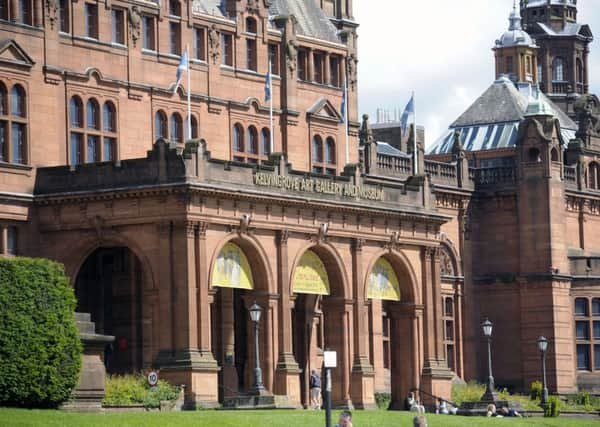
x,y
310,276
383,283
232,270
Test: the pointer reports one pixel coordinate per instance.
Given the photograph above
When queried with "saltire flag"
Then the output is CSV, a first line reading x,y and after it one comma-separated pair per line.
x,y
268,84
344,103
408,114
183,66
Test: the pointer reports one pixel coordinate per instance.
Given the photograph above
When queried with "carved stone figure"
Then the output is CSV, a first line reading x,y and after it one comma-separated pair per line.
x,y
291,54
351,63
135,23
587,110
458,151
214,43
446,265
52,8
365,134
252,6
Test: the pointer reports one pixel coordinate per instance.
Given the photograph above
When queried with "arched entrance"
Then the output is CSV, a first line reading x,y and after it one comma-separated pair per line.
x,y
320,321
393,315
238,279
109,287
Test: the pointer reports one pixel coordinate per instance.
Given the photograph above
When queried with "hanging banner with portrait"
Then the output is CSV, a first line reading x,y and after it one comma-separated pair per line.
x,y
383,282
231,269
310,276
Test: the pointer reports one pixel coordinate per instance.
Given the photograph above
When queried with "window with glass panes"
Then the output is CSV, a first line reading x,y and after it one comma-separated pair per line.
x,y
148,30
118,26
175,38
200,44
274,58
13,124
91,20
227,49
63,16
587,333
449,331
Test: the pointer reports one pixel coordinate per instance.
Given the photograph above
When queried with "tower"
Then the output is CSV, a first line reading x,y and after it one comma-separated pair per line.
x,y
516,52
562,64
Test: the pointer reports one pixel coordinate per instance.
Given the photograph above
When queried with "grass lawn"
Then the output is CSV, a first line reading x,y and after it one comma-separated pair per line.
x,y
20,417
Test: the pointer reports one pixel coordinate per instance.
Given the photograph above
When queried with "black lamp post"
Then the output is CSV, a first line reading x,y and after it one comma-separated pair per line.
x,y
543,347
258,388
490,392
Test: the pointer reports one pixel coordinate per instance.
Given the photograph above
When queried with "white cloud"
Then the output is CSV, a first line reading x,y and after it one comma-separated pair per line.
x,y
440,49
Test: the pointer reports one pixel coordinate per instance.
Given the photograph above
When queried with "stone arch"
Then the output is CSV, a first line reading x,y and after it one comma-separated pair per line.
x,y
448,246
338,276
257,257
403,269
89,246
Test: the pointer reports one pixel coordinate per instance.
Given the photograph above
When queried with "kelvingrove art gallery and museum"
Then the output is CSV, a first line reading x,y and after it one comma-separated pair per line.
x,y
172,222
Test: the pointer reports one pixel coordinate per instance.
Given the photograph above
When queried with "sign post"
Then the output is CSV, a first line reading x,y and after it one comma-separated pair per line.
x,y
152,378
330,361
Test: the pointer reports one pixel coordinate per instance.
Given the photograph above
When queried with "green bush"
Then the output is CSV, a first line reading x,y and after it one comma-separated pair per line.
x,y
471,392
536,390
553,407
383,400
40,350
134,390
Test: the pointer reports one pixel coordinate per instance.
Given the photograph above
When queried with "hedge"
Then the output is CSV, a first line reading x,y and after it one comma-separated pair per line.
x,y
40,350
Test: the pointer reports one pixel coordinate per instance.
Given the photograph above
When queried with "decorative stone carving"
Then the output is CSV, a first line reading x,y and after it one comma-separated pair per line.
x,y
245,223
351,68
214,43
587,111
365,134
458,151
135,24
291,54
52,11
252,6
446,264
283,236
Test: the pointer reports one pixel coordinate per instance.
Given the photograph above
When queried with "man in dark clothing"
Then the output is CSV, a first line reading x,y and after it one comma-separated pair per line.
x,y
315,390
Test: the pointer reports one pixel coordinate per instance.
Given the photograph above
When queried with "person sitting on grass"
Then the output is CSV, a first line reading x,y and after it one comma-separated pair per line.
x,y
345,419
491,411
419,421
506,412
413,404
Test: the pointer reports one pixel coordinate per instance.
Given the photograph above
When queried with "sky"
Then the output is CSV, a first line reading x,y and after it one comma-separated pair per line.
x,y
441,50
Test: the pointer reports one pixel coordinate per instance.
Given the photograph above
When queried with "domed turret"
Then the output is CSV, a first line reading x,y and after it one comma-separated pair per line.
x,y
516,52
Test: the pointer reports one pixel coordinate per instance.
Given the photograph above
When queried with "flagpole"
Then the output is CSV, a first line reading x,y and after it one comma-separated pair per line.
x,y
346,121
415,155
189,94
271,143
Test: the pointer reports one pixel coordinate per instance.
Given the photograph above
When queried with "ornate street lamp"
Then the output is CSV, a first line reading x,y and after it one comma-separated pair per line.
x,y
258,387
543,347
490,392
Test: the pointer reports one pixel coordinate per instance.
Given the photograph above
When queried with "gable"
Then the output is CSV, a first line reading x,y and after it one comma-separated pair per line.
x,y
13,55
324,109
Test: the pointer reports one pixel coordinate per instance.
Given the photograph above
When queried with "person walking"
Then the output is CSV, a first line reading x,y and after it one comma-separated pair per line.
x,y
315,390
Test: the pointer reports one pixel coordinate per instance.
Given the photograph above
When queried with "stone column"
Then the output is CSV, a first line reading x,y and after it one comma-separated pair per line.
x,y
363,375
311,66
436,375
227,329
287,373
14,10
3,240
38,12
327,74
337,338
458,339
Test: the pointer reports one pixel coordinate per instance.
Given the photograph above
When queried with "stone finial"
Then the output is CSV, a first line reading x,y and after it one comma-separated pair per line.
x,y
458,150
365,133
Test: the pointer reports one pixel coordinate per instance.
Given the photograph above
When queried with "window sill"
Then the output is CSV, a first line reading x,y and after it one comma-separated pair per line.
x,y
16,167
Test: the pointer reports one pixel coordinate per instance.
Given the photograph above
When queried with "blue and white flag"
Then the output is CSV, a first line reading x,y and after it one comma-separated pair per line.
x,y
344,103
183,66
408,115
268,84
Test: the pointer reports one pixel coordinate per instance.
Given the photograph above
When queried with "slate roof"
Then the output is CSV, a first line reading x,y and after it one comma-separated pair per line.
x,y
538,3
570,29
312,21
492,121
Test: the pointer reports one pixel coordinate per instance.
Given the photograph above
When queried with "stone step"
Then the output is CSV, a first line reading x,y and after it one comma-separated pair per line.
x,y
83,317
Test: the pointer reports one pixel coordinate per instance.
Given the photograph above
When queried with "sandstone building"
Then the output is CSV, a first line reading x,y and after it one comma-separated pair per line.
x,y
169,238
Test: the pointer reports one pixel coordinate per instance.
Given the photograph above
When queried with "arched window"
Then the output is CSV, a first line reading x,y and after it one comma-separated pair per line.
x,y
252,140
554,155
174,8
251,25
109,118
330,151
533,155
194,125
238,138
76,112
558,70
579,71
160,125
594,176
265,141
93,114
176,125
317,149
17,101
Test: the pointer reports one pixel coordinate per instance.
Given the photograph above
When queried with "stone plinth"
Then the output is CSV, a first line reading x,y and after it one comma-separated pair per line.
x,y
89,393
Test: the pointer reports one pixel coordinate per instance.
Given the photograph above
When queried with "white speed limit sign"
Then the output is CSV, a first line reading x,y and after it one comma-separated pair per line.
x,y
152,378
